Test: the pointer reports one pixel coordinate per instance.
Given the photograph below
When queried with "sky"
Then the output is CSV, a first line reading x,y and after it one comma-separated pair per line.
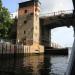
x,y
46,6
64,35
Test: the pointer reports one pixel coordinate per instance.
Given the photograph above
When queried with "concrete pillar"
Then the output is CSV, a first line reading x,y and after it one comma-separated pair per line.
x,y
45,36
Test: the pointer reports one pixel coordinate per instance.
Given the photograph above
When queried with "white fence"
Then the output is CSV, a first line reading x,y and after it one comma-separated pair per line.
x,y
61,12
10,48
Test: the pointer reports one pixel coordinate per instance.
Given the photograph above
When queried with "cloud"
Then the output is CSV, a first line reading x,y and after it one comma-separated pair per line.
x,y
63,35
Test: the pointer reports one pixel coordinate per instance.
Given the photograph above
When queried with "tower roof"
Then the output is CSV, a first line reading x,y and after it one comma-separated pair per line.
x,y
27,3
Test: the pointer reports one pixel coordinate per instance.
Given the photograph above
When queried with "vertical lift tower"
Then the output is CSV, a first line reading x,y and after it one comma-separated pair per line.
x,y
28,27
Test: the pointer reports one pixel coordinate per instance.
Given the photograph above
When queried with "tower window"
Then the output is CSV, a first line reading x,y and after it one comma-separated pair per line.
x,y
36,9
24,32
25,11
25,22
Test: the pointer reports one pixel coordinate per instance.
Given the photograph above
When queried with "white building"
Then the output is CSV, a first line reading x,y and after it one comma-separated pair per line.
x,y
15,14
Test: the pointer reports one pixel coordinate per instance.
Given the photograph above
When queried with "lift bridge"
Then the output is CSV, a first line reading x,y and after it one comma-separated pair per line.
x,y
48,22
53,20
25,32
34,28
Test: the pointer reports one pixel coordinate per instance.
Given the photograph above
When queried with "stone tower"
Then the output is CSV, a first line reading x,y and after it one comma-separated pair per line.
x,y
28,27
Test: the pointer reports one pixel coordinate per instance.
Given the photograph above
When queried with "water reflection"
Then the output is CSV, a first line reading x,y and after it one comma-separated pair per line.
x,y
34,65
46,66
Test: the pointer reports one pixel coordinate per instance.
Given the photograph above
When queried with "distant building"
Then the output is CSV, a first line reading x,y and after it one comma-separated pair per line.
x,y
55,45
13,15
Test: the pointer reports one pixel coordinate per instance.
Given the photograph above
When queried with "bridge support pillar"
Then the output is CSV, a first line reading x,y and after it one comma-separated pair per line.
x,y
45,36
28,28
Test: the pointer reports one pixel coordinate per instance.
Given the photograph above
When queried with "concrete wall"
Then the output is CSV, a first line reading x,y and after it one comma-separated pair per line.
x,y
34,49
45,37
25,25
25,30
28,25
36,25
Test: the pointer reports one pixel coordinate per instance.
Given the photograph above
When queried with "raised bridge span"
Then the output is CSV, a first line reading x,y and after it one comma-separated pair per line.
x,y
58,19
52,20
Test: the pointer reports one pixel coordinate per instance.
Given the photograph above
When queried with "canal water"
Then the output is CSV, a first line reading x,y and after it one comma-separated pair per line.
x,y
34,65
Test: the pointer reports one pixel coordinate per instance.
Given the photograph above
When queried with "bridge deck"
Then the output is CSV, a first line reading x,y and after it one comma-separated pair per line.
x,y
58,20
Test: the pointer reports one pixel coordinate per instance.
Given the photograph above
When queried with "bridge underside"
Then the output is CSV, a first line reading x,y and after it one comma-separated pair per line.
x,y
50,22
58,21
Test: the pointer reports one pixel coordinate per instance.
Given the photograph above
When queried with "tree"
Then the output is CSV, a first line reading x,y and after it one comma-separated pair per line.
x,y
5,21
0,5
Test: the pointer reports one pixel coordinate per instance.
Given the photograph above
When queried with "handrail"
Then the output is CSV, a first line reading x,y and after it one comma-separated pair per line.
x,y
56,13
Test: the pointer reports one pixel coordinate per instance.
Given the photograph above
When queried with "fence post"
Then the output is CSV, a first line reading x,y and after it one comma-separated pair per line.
x,y
6,49
14,57
10,50
2,51
18,48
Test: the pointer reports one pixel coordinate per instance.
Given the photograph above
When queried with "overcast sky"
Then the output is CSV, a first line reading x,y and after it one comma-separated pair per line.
x,y
56,5
64,36
46,5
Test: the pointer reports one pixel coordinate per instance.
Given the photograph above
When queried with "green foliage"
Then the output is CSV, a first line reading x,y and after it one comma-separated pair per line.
x,y
5,21
0,5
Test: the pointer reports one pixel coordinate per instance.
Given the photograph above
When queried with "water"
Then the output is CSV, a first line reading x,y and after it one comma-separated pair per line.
x,y
34,65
